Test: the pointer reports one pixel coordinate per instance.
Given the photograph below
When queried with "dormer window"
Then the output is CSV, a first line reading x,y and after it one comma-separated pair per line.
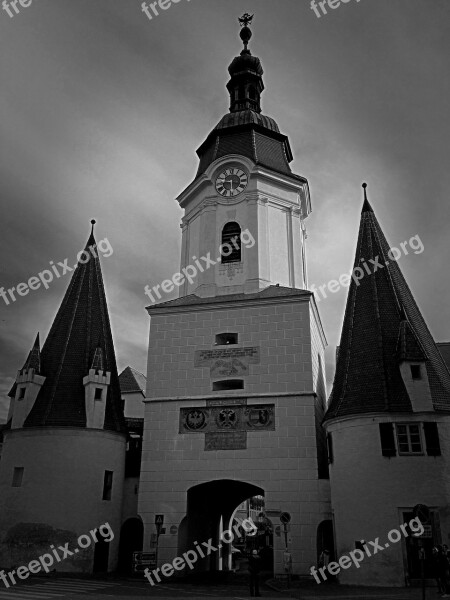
x,y
416,371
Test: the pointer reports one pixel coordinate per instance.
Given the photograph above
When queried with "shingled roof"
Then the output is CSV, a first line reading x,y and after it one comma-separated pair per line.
x,y
33,362
132,381
80,339
382,326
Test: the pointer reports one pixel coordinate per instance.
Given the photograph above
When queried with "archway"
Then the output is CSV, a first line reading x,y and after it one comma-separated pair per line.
x,y
210,508
131,540
325,539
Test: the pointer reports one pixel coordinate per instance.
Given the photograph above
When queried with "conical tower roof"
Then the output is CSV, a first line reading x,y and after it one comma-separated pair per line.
x,y
382,326
34,358
79,339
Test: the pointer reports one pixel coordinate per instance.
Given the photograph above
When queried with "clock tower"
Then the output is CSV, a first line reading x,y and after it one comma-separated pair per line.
x,y
244,183
236,384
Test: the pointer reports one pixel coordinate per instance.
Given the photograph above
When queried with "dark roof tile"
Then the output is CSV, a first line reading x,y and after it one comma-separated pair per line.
x,y
381,313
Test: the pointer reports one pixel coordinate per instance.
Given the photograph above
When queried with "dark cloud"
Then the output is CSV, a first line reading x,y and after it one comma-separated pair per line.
x,y
102,110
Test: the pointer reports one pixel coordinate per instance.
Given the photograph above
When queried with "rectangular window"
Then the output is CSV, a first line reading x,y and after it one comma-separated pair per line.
x,y
330,448
228,384
17,476
22,393
416,371
223,339
409,439
387,439
432,439
107,485
98,394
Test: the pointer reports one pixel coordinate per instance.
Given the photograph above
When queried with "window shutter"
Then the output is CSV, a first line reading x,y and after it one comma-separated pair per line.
x,y
387,439
330,448
432,439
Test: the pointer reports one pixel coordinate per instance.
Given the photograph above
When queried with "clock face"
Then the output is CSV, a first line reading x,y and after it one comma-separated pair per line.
x,y
231,182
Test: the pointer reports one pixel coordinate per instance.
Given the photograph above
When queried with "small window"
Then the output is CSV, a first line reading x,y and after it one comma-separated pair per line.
x,y
98,394
416,372
17,476
22,393
330,448
432,439
228,384
230,248
387,439
107,485
409,439
223,339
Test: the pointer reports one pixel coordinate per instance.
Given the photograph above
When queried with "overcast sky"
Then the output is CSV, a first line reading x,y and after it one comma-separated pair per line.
x,y
101,111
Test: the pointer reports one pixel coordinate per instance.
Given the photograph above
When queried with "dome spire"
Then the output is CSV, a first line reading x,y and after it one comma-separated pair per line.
x,y
246,84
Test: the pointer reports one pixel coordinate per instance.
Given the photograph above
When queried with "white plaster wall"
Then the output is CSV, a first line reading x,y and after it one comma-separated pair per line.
x,y
368,490
276,256
134,405
282,330
278,246
62,488
282,462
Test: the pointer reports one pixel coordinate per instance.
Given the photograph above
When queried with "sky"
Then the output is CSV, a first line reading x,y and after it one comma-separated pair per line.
x,y
102,109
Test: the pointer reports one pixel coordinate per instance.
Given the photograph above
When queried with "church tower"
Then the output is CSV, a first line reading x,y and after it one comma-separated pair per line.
x,y
236,388
388,421
244,183
63,459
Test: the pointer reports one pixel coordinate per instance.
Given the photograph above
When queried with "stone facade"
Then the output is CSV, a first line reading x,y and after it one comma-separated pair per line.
x,y
283,463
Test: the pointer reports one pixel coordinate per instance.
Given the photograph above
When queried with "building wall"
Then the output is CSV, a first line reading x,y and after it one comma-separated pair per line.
x,y
370,492
271,209
61,494
134,405
282,462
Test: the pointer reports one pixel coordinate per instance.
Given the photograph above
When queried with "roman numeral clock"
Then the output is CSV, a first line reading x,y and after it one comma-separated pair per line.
x,y
231,182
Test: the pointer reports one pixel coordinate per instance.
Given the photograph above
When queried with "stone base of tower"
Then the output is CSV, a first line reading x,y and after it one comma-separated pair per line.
x,y
234,403
196,489
60,497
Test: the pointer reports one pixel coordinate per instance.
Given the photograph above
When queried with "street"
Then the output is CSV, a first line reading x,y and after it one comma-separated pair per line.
x,y
70,588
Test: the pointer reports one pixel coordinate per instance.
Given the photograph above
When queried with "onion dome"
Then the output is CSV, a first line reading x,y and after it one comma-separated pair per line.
x,y
245,130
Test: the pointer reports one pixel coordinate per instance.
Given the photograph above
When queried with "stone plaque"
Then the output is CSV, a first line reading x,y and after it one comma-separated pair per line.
x,y
203,358
227,402
235,440
227,362
228,417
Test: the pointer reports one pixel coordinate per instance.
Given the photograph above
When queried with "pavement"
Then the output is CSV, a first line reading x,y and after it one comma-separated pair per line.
x,y
72,587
